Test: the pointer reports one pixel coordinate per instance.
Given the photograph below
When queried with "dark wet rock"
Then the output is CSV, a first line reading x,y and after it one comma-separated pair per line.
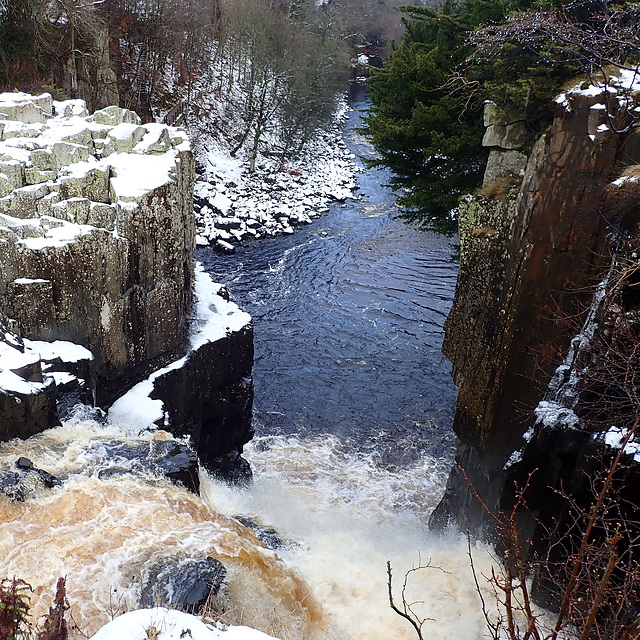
x,y
267,535
174,460
48,479
24,463
178,462
113,472
216,413
185,584
27,481
231,468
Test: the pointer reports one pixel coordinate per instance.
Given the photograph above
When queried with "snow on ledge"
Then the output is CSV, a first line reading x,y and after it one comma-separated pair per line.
x,y
13,359
171,625
66,351
213,318
626,80
136,175
615,438
550,413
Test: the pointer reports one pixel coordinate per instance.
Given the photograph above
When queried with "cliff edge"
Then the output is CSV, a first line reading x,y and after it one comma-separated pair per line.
x,y
534,244
97,236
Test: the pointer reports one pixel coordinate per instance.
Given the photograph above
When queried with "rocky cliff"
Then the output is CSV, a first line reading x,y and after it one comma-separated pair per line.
x,y
534,243
97,237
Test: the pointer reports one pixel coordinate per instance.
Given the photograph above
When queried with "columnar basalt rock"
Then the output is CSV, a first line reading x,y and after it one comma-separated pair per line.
x,y
527,256
97,239
99,249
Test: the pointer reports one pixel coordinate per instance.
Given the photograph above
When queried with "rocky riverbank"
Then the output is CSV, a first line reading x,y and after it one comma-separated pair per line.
x,y
233,205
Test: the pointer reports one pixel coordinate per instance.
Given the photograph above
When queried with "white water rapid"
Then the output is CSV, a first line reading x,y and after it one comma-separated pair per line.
x,y
340,516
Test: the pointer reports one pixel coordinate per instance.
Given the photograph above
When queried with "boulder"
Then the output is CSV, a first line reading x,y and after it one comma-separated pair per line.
x,y
186,584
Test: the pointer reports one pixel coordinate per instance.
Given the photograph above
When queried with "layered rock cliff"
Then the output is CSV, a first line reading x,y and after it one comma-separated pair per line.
x,y
97,235
534,245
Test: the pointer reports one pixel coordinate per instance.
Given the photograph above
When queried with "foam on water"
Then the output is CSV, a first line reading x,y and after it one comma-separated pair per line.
x,y
343,516
103,534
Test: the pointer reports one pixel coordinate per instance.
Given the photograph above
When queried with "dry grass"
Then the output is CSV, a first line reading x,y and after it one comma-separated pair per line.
x,y
483,232
499,189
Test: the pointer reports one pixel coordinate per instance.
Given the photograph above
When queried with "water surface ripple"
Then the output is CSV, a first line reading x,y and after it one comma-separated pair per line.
x,y
348,316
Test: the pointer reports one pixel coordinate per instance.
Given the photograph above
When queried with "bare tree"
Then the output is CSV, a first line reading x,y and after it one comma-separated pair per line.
x,y
599,44
406,609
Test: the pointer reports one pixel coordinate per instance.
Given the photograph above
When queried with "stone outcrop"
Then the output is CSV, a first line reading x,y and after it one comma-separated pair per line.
x,y
28,400
97,230
506,138
529,255
97,238
217,412
186,584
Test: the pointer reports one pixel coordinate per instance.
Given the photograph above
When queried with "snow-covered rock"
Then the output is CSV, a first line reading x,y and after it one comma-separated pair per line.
x,y
274,198
123,236
165,624
95,250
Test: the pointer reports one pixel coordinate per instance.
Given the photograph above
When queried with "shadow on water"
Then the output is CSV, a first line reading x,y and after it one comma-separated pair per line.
x,y
348,316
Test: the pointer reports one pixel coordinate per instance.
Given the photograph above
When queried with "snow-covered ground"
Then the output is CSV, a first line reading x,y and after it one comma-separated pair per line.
x,y
165,624
233,204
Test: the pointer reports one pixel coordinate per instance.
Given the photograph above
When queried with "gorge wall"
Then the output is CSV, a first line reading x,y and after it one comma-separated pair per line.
x,y
534,245
97,236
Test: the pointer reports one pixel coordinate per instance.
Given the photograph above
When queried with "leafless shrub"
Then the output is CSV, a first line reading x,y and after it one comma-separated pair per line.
x,y
406,609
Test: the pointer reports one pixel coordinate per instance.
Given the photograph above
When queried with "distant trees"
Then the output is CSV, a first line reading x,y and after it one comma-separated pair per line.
x,y
277,63
282,68
158,44
24,41
371,25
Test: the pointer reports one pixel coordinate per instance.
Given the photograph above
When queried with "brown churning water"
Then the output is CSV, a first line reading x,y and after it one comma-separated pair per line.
x,y
104,534
340,514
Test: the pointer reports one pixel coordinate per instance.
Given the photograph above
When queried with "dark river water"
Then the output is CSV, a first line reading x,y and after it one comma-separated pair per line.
x,y
348,315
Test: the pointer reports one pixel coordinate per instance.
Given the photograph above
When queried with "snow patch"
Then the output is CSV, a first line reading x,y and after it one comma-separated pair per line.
x,y
136,175
550,413
65,351
615,438
171,625
213,318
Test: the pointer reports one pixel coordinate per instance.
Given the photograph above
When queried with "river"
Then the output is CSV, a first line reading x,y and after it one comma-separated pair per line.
x,y
353,408
353,412
348,315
